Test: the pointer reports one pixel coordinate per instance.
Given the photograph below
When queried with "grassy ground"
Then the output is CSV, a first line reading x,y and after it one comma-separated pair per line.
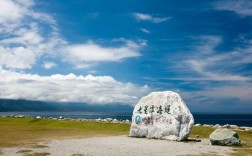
x,y
25,131
22,131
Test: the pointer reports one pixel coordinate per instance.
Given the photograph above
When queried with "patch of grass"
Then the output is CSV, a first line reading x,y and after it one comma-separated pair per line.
x,y
77,154
37,154
24,151
202,132
29,130
209,154
246,148
39,146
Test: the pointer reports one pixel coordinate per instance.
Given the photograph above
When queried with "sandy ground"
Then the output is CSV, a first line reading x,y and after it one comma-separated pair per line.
x,y
121,146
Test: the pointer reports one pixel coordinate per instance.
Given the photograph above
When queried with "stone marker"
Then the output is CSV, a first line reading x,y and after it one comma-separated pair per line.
x,y
224,137
161,115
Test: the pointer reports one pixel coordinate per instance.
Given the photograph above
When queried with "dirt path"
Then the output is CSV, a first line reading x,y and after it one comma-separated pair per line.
x,y
119,146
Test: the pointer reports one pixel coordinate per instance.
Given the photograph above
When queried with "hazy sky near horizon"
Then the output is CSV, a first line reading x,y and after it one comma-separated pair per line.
x,y
102,52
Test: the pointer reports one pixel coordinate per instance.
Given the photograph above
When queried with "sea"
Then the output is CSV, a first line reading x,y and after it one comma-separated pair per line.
x,y
201,118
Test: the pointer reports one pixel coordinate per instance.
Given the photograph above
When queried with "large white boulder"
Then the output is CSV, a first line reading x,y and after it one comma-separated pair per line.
x,y
161,115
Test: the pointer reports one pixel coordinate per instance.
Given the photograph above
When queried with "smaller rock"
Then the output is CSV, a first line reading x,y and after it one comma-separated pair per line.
x,y
234,126
198,124
224,137
109,119
115,121
226,126
38,117
19,116
206,125
98,120
60,118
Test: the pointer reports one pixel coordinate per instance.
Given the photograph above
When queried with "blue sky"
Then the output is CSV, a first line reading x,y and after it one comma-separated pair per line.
x,y
103,52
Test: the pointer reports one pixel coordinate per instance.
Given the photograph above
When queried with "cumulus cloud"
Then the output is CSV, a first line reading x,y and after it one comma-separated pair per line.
x,y
49,65
29,36
241,7
147,17
69,88
22,40
83,55
17,57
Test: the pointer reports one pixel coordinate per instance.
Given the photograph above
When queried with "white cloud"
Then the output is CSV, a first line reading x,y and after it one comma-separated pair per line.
x,y
11,12
145,30
22,31
84,55
49,65
211,97
22,40
241,91
69,88
147,17
204,62
222,76
28,35
17,57
241,7
199,66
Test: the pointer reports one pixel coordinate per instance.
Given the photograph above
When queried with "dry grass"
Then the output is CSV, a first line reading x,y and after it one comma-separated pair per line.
x,y
37,154
24,151
77,154
38,146
29,130
202,132
246,148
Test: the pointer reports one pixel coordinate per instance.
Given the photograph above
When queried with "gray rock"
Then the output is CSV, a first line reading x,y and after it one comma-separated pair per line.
x,y
234,126
161,115
98,120
19,116
38,117
224,137
60,118
226,126
109,119
206,125
115,121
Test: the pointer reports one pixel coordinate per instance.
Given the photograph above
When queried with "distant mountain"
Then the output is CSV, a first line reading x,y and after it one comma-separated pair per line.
x,y
27,105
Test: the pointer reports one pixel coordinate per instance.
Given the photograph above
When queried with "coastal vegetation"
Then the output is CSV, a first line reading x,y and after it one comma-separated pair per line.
x,y
30,131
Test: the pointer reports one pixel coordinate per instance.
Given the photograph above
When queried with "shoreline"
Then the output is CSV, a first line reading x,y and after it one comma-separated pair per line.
x,y
111,120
